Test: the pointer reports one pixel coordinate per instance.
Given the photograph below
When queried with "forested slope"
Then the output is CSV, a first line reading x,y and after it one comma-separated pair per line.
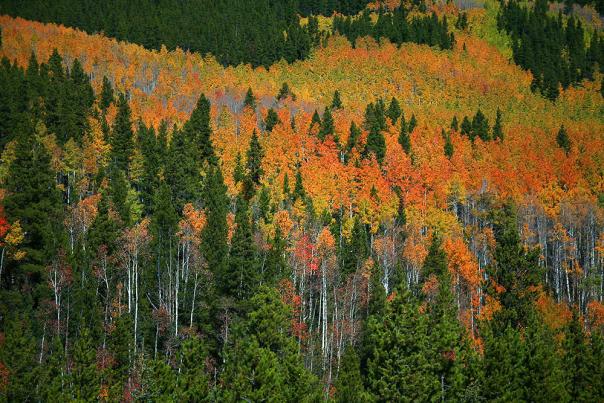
x,y
383,220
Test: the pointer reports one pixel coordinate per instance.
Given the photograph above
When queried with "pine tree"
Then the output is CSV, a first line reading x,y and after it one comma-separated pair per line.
x,y
272,119
197,131
284,92
412,124
466,128
250,99
106,94
454,124
327,125
253,167
33,200
214,245
316,119
193,380
576,361
497,127
18,356
394,111
336,102
276,267
448,147
349,384
563,140
398,366
244,271
480,126
262,361
404,139
118,191
356,249
84,374
376,144
122,144
239,171
353,138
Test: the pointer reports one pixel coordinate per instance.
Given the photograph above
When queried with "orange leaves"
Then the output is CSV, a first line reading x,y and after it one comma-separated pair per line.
x,y
462,261
555,315
192,224
325,241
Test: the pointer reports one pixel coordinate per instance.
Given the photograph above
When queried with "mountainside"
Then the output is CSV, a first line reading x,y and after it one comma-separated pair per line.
x,y
178,226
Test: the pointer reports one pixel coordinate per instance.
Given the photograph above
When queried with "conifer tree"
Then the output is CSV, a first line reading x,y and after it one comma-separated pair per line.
x,y
480,127
253,167
403,139
349,384
327,125
106,94
466,127
412,124
454,124
563,140
272,119
193,381
448,147
336,102
197,130
497,127
316,119
284,92
576,361
84,374
250,99
394,110
239,171
122,144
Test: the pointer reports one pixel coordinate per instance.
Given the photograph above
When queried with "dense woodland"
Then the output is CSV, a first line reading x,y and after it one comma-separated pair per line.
x,y
172,230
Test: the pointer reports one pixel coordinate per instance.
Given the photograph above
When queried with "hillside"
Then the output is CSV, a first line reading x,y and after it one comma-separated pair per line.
x,y
405,200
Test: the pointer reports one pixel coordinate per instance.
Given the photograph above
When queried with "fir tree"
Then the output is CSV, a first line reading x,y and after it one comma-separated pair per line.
x,y
412,124
84,374
480,127
197,130
253,166
394,111
336,102
448,147
349,384
239,171
404,139
272,119
466,127
563,140
284,92
250,99
193,381
106,94
454,124
497,127
327,125
576,361
122,144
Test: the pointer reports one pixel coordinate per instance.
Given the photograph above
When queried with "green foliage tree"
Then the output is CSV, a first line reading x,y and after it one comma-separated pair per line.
x,y
563,140
122,143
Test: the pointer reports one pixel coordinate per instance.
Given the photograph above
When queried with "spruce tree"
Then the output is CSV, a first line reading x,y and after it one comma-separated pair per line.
x,y
250,99
466,128
576,361
193,381
327,125
448,147
412,123
563,140
272,119
106,94
284,92
336,102
404,139
497,127
394,111
253,167
122,143
33,200
197,130
349,384
85,377
480,126
454,124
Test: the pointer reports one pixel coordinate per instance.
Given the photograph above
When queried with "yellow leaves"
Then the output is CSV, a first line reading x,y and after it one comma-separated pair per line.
x,y
325,241
462,261
285,224
8,156
13,239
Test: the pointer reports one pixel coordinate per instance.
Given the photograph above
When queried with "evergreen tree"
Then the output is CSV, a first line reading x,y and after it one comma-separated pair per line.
x,y
276,266
18,356
122,144
84,374
412,124
262,362
284,92
398,365
353,139
214,236
480,127
394,111
563,140
33,200
239,171
404,139
316,119
454,124
106,94
253,167
376,144
193,380
327,125
159,382
356,249
497,127
336,102
272,119
576,361
349,384
250,99
197,130
466,127
118,191
244,271
448,147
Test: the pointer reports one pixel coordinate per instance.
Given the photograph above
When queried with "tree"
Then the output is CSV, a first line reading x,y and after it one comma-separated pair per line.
x,y
466,127
250,99
404,139
244,271
106,94
122,143
398,365
33,200
84,374
394,111
563,140
412,123
327,125
576,361
214,245
197,130
272,119
262,362
193,380
253,167
336,102
454,124
376,144
349,384
448,147
480,126
497,127
285,92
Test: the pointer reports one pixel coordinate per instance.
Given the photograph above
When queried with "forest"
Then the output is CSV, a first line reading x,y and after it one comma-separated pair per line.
x,y
330,200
